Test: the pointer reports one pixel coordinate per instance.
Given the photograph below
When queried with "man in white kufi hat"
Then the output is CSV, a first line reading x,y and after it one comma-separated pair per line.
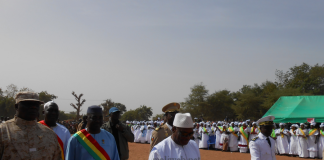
x,y
312,140
263,146
282,139
178,145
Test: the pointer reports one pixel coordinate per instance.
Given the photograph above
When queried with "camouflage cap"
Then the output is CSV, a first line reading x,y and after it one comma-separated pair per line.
x,y
27,96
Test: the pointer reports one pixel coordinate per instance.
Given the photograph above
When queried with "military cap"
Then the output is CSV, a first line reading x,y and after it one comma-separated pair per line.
x,y
27,96
265,121
171,107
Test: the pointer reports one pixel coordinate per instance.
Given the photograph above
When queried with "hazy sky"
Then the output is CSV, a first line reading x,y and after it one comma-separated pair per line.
x,y
151,52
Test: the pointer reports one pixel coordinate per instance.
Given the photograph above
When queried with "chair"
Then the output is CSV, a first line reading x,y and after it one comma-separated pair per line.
x,y
211,140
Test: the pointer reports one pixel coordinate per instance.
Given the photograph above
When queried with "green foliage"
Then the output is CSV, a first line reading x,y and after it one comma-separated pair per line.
x,y
45,97
157,116
139,114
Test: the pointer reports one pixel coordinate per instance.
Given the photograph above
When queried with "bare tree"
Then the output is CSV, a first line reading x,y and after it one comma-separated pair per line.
x,y
79,103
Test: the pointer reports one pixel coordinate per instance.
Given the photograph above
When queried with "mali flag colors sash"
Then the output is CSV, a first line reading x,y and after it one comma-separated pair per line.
x,y
205,130
245,135
311,132
58,139
91,145
293,132
232,131
281,134
273,134
321,132
253,130
302,132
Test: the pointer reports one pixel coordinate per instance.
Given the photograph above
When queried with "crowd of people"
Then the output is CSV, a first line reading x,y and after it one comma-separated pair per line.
x,y
175,136
302,140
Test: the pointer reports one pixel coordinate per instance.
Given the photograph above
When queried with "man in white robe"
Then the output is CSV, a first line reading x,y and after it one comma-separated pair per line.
x,y
137,132
293,146
150,128
302,134
312,140
282,139
178,145
196,134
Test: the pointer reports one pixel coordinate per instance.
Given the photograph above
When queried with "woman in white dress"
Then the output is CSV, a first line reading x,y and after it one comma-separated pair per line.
x,y
218,132
196,134
321,141
293,146
282,139
302,134
254,131
233,137
204,137
312,140
224,137
244,138
137,132
150,129
142,134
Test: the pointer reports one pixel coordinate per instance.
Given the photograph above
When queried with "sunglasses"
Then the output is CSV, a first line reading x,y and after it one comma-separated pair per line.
x,y
185,134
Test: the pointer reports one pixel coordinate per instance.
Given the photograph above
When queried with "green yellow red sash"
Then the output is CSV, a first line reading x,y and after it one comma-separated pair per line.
x,y
322,133
293,132
281,134
253,130
232,131
245,135
273,134
311,132
302,132
91,145
58,139
205,130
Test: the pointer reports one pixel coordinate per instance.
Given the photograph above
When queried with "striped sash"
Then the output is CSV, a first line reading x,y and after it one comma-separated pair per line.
x,y
91,145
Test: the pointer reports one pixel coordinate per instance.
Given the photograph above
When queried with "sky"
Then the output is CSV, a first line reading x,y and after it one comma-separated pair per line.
x,y
152,52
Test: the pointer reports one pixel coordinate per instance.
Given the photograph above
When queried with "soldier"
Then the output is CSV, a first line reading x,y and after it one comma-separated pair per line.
x,y
23,138
262,147
165,130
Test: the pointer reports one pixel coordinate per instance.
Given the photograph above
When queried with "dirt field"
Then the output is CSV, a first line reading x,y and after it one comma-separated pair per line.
x,y
138,151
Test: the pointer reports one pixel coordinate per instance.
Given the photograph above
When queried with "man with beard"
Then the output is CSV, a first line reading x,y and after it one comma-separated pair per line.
x,y
23,138
92,142
178,145
51,114
164,131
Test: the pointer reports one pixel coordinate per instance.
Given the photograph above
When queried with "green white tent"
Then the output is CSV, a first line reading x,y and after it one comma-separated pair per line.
x,y
296,109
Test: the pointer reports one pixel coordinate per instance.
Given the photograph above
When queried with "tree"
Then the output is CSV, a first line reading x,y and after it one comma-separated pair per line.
x,y
219,106
130,115
106,106
45,97
144,112
79,103
157,116
196,102
11,91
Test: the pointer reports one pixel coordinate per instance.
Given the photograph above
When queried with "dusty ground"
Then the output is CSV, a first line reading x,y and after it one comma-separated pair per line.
x,y
138,151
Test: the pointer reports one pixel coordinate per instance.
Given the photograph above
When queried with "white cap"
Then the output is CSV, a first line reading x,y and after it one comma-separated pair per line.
x,y
183,120
281,124
268,120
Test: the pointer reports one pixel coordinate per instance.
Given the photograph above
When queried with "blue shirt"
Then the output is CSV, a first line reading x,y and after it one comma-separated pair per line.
x,y
75,151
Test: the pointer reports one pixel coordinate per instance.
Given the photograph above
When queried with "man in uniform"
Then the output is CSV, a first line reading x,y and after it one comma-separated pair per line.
x,y
23,138
165,130
262,147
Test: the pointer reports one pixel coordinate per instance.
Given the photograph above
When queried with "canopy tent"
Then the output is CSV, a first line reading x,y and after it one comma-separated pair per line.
x,y
296,109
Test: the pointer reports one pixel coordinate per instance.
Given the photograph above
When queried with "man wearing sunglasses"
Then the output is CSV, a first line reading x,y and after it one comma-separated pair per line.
x,y
179,145
164,130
